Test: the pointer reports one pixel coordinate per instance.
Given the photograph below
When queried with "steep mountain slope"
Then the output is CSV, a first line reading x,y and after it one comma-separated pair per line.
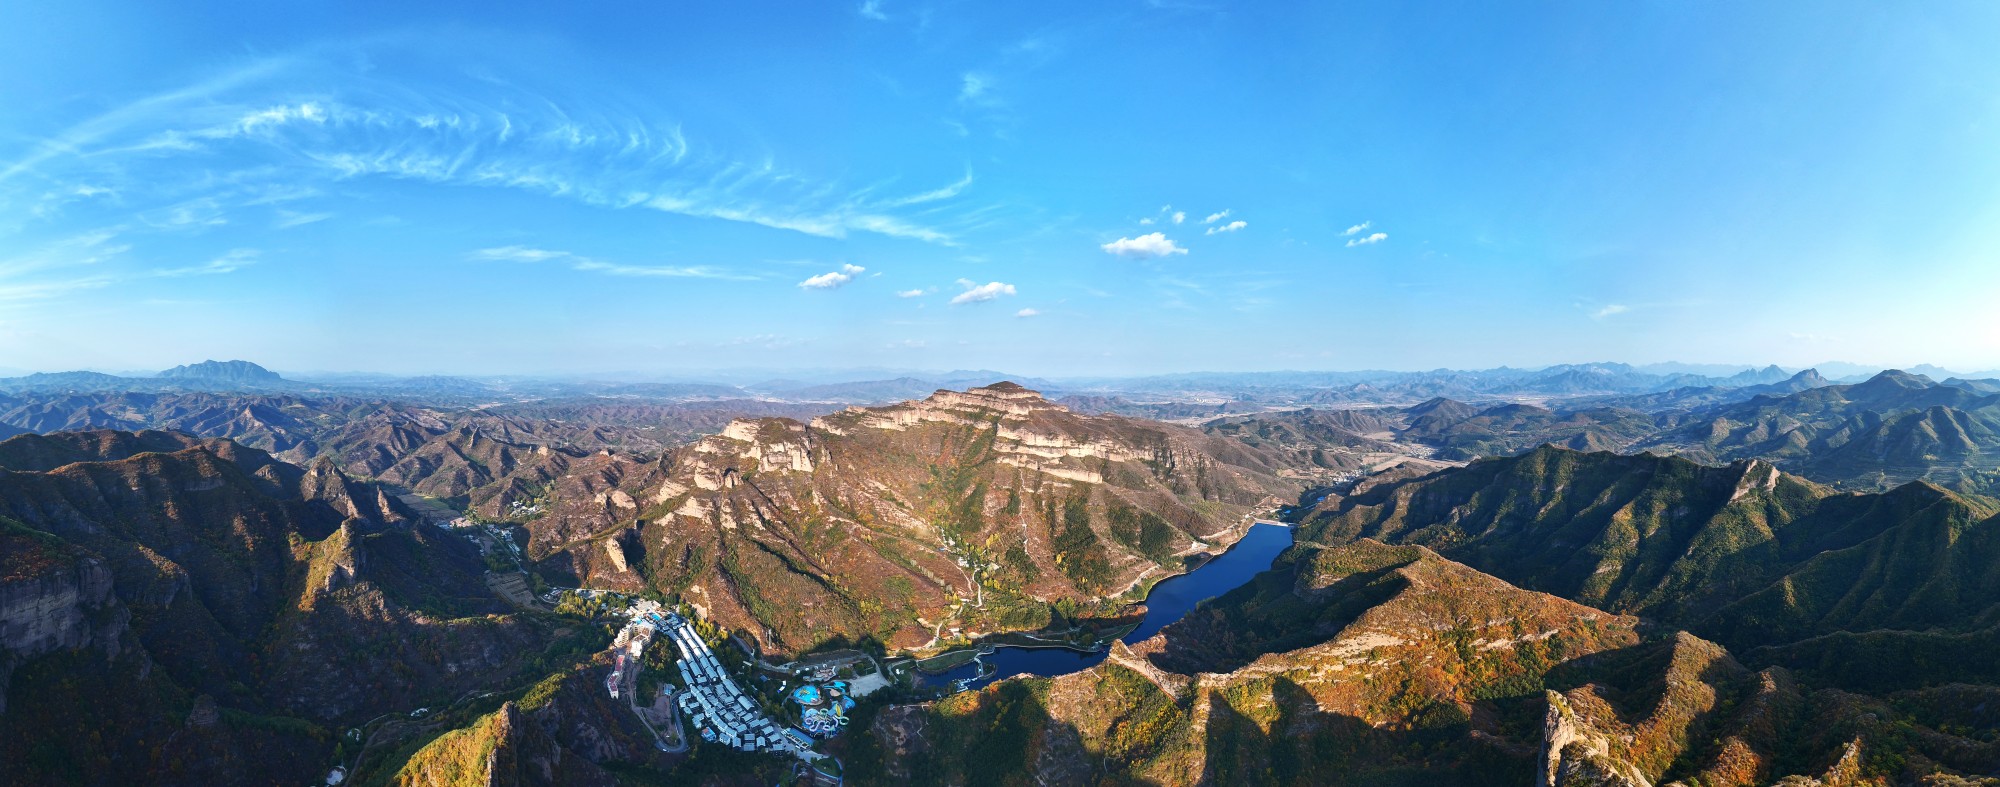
x,y
879,522
1893,428
155,578
1744,553
1453,430
1362,664
1309,432
1511,428
1373,664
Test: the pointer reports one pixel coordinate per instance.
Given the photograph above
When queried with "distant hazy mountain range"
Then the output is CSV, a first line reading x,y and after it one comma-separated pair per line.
x,y
1190,395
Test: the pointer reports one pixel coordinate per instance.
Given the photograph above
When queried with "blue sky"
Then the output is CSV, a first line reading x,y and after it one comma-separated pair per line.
x,y
1048,188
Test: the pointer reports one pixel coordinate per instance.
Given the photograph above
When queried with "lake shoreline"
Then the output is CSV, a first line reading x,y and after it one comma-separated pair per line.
x,y
1166,602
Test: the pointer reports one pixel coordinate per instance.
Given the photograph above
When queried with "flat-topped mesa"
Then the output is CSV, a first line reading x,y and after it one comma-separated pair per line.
x,y
1006,397
1033,433
1009,400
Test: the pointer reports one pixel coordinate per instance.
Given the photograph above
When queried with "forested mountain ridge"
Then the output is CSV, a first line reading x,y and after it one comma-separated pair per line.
x,y
151,578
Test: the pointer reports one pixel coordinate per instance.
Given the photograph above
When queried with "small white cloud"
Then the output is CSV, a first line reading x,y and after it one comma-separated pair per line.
x,y
1230,227
1155,244
1148,221
980,293
1610,309
1357,228
909,293
1027,313
832,279
1375,238
1215,217
872,10
1180,216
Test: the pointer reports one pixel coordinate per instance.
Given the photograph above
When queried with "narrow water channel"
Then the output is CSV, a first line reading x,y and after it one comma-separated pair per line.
x,y
1168,601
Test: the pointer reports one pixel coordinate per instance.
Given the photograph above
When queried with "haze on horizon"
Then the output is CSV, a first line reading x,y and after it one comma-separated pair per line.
x,y
1044,188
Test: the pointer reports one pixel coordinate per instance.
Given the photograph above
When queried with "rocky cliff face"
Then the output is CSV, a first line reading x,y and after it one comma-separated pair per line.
x,y
968,511
52,599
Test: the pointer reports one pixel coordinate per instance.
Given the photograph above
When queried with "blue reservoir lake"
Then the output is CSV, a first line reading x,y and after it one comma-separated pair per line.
x,y
1168,601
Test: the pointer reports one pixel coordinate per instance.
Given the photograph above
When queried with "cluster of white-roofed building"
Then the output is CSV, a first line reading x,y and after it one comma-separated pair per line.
x,y
718,707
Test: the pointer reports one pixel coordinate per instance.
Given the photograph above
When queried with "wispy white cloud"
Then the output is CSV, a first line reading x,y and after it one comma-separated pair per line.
x,y
1369,239
491,134
1147,221
1180,216
51,202
1356,229
87,249
910,293
1609,309
195,214
1215,217
980,293
51,288
1230,227
832,279
288,219
95,260
1155,244
934,195
872,9
230,262
520,254
1028,313
89,133
582,263
655,271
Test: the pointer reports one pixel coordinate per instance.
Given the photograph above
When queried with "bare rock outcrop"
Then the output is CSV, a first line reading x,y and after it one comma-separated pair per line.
x,y
65,605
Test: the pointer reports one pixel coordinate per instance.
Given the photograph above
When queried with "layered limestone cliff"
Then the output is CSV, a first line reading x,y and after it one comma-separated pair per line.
x,y
60,604
963,513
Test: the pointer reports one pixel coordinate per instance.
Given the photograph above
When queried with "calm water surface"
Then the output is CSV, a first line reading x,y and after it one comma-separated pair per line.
x,y
1168,601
